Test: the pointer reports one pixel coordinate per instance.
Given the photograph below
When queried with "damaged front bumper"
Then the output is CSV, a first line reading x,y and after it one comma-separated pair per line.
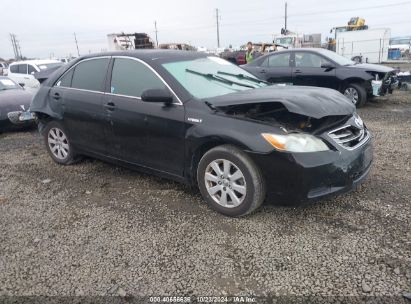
x,y
21,118
298,178
384,86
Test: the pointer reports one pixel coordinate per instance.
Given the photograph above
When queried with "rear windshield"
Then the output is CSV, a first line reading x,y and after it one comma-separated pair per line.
x,y
46,66
8,84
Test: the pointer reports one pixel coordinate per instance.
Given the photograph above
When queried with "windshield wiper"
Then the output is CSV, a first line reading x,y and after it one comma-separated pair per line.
x,y
221,79
242,76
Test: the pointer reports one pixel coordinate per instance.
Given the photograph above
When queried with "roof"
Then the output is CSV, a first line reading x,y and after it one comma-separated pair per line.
x,y
36,62
152,54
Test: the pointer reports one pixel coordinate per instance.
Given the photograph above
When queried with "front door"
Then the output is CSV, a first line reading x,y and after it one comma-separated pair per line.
x,y
276,68
148,134
308,71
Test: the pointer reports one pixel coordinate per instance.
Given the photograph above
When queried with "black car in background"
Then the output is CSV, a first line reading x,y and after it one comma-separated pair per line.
x,y
204,121
14,105
324,68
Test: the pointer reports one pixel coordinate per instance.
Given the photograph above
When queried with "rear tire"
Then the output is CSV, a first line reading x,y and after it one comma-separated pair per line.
x,y
230,182
58,144
356,93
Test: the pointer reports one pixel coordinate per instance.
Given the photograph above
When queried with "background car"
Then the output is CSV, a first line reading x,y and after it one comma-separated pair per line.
x,y
204,121
14,105
3,69
323,68
23,72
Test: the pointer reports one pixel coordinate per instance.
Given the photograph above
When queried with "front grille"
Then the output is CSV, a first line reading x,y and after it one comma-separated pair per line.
x,y
350,137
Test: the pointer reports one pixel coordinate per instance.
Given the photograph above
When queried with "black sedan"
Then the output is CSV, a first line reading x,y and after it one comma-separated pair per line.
x,y
201,120
14,105
323,68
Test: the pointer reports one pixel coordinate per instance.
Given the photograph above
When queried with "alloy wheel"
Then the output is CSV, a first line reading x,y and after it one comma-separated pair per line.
x,y
351,94
58,143
225,183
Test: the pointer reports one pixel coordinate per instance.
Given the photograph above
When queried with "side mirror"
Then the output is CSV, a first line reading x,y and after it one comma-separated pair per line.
x,y
157,95
327,66
22,84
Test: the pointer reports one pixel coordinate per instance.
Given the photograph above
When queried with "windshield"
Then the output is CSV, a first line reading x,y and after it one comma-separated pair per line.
x,y
400,41
335,57
211,76
46,66
284,40
8,84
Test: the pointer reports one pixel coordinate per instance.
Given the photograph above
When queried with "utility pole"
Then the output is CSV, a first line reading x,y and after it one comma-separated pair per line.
x,y
13,43
16,47
285,18
75,39
218,28
155,26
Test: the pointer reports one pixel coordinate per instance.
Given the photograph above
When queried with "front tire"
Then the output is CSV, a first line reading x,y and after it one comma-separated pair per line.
x,y
58,144
356,93
230,182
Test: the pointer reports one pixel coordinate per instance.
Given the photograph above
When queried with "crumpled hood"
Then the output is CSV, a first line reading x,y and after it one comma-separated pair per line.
x,y
371,67
12,100
309,101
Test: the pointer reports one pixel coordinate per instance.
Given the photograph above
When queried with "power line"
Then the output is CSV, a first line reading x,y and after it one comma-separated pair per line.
x,y
269,20
352,9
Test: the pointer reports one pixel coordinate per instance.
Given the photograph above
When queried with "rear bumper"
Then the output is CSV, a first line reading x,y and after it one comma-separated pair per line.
x,y
298,178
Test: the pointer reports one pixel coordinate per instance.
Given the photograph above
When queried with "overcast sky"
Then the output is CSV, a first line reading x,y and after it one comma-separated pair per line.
x,y
45,27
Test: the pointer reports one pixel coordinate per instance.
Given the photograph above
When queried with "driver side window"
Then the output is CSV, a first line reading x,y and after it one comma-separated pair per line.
x,y
31,69
309,60
277,60
132,78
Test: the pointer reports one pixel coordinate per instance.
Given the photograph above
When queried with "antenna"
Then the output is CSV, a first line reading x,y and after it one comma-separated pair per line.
x,y
75,39
285,19
218,28
155,26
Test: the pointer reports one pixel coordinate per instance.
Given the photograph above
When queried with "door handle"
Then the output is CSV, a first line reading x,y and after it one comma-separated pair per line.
x,y
297,71
110,106
262,71
56,96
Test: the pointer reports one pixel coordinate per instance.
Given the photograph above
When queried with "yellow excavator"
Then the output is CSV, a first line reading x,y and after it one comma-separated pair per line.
x,y
354,24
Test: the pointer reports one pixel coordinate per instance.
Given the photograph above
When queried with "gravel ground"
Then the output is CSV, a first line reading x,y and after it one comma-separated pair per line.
x,y
93,229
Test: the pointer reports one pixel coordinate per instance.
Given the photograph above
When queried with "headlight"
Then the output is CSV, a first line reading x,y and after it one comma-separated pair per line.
x,y
296,142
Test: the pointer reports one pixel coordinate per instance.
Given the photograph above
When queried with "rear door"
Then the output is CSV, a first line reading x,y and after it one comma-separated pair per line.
x,y
145,133
276,68
80,93
307,71
18,72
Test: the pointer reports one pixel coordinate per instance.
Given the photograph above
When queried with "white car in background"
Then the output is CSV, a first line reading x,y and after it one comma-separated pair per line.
x,y
3,69
23,72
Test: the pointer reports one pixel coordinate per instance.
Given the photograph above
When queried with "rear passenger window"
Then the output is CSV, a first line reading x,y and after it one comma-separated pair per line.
x,y
22,68
278,60
90,75
14,68
132,78
65,81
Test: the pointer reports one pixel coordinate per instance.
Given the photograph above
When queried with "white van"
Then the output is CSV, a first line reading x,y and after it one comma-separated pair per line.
x,y
23,72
